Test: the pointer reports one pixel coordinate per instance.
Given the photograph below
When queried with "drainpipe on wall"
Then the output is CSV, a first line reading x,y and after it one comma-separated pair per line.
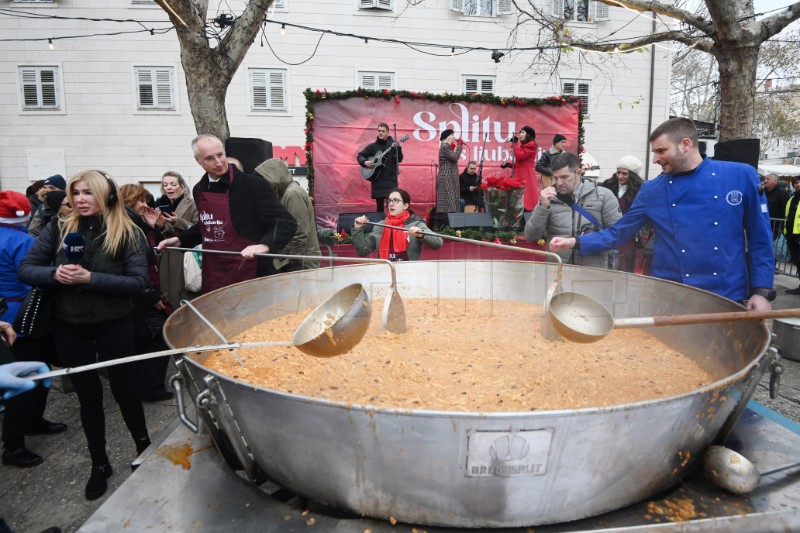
x,y
650,107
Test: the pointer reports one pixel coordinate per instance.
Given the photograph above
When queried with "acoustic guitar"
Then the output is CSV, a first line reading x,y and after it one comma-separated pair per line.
x,y
370,174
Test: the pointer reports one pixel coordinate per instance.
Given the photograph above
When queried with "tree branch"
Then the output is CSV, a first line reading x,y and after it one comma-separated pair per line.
x,y
667,10
704,44
774,24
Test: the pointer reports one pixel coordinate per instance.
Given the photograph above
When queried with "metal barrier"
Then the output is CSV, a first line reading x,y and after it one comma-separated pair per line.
x,y
783,264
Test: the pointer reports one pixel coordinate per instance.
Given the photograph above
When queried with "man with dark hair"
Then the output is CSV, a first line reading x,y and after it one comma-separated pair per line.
x,y
573,206
543,165
776,203
237,212
469,181
711,222
386,169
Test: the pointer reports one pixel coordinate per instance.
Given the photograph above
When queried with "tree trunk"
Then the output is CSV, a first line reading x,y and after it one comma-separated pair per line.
x,y
206,85
737,85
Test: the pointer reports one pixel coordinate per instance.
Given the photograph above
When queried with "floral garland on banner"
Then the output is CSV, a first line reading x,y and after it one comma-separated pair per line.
x,y
316,95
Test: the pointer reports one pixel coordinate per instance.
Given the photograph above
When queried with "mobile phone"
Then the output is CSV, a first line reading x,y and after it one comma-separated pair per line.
x,y
165,208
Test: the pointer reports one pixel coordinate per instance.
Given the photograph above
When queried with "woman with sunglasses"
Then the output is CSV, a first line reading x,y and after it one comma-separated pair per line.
x,y
402,244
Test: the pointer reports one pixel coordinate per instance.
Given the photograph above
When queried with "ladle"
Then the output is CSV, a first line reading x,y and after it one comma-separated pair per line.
x,y
733,472
334,327
548,332
393,318
579,318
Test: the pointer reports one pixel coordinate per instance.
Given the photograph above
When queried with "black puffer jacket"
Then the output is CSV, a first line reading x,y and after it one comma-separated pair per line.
x,y
115,280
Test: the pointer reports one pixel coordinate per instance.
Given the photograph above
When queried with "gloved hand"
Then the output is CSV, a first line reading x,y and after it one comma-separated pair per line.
x,y
460,141
514,139
505,164
10,377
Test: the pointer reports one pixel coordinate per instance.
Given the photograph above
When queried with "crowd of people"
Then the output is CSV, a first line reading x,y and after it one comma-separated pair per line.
x,y
112,299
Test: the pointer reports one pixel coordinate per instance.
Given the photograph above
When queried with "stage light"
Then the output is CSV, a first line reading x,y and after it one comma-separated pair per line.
x,y
496,56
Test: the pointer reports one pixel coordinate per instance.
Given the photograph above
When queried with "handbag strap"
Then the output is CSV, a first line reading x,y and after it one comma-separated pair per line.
x,y
587,215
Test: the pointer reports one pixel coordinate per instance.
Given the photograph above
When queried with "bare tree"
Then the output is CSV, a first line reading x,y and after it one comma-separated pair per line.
x,y
210,58
726,29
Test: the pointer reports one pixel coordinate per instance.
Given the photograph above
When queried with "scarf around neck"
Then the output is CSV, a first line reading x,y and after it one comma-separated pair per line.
x,y
394,240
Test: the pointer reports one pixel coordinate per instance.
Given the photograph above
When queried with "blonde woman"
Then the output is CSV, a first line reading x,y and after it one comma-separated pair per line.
x,y
93,301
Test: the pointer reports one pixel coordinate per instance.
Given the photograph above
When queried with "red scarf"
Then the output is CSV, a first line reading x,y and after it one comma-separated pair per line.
x,y
391,239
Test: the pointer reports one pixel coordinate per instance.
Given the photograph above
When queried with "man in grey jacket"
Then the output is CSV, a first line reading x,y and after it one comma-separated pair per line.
x,y
573,206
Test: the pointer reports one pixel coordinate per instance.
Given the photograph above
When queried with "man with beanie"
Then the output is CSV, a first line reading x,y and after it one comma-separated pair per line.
x,y
384,175
296,200
41,213
704,212
791,229
543,165
23,415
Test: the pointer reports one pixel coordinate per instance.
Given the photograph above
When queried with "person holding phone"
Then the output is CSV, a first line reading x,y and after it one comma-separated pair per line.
x,y
180,213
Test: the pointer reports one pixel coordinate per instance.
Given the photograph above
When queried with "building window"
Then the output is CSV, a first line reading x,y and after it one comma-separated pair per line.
x,y
579,10
579,88
376,80
375,4
279,4
267,89
155,88
32,1
40,88
478,84
482,8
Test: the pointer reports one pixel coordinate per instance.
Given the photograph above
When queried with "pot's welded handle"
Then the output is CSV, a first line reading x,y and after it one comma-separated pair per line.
x,y
200,402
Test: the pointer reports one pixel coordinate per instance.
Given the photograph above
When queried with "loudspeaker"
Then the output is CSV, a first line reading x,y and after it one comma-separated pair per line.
x,y
346,220
739,151
251,152
469,220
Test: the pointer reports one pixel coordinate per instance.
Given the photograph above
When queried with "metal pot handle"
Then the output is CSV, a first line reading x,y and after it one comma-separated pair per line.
x,y
200,402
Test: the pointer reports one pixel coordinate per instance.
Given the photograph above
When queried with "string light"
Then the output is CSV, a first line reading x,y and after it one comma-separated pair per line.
x,y
453,52
283,29
50,43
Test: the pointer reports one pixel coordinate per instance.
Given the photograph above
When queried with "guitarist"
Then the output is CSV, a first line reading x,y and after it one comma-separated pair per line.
x,y
384,179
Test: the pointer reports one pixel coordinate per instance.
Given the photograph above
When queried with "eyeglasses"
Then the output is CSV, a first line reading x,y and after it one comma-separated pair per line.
x,y
394,200
212,158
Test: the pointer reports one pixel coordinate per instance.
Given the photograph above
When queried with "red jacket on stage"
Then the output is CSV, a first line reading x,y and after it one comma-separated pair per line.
x,y
526,156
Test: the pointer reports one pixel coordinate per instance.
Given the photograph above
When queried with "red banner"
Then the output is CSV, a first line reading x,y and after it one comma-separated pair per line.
x,y
343,127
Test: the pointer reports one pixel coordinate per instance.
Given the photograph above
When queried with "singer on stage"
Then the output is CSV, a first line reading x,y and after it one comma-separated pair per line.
x,y
384,178
447,187
93,262
525,154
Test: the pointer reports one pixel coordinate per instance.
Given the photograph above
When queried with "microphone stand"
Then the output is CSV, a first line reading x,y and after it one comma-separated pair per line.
x,y
480,164
394,152
513,157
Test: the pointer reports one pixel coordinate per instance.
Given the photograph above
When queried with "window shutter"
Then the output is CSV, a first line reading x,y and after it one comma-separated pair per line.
x,y
259,82
568,88
163,89
505,7
366,4
385,81
470,85
583,94
30,89
487,86
145,82
48,80
384,4
599,11
457,5
279,4
557,8
368,81
277,93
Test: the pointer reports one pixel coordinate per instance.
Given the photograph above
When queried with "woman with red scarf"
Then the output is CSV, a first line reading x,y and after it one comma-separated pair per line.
x,y
402,244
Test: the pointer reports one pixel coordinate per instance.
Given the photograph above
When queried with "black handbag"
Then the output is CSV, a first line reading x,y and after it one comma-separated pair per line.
x,y
35,314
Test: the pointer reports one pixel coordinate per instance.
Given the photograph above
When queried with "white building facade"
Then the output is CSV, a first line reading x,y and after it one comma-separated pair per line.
x,y
88,99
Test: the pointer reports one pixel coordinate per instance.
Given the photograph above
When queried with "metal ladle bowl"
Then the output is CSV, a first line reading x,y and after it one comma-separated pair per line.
x,y
337,325
734,472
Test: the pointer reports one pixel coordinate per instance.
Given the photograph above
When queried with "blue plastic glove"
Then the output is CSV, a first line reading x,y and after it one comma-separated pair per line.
x,y
10,377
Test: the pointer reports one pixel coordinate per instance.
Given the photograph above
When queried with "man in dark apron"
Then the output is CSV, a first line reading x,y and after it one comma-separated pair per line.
x,y
236,212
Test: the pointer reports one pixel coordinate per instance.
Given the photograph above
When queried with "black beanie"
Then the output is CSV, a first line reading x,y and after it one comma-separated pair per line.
x,y
530,131
445,134
54,199
558,138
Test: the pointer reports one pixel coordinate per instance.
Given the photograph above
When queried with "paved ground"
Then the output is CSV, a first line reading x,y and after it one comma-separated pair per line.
x,y
51,494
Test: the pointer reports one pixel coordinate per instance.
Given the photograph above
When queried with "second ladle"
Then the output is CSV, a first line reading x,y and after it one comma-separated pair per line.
x,y
579,318
734,472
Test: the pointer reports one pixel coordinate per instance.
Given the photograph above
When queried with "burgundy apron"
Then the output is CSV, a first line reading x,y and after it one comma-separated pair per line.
x,y
217,231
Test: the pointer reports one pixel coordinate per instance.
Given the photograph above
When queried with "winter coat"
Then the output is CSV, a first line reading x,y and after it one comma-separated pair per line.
x,y
448,190
115,280
387,174
170,264
14,245
543,165
525,161
366,243
298,203
465,181
560,220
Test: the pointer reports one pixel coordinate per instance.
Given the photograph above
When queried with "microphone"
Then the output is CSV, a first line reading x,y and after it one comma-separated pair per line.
x,y
74,247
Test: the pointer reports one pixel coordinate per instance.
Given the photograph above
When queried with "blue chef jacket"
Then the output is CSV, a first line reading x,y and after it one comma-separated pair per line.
x,y
699,218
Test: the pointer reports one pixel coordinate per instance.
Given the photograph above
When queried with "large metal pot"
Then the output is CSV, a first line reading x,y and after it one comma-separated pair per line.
x,y
443,468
